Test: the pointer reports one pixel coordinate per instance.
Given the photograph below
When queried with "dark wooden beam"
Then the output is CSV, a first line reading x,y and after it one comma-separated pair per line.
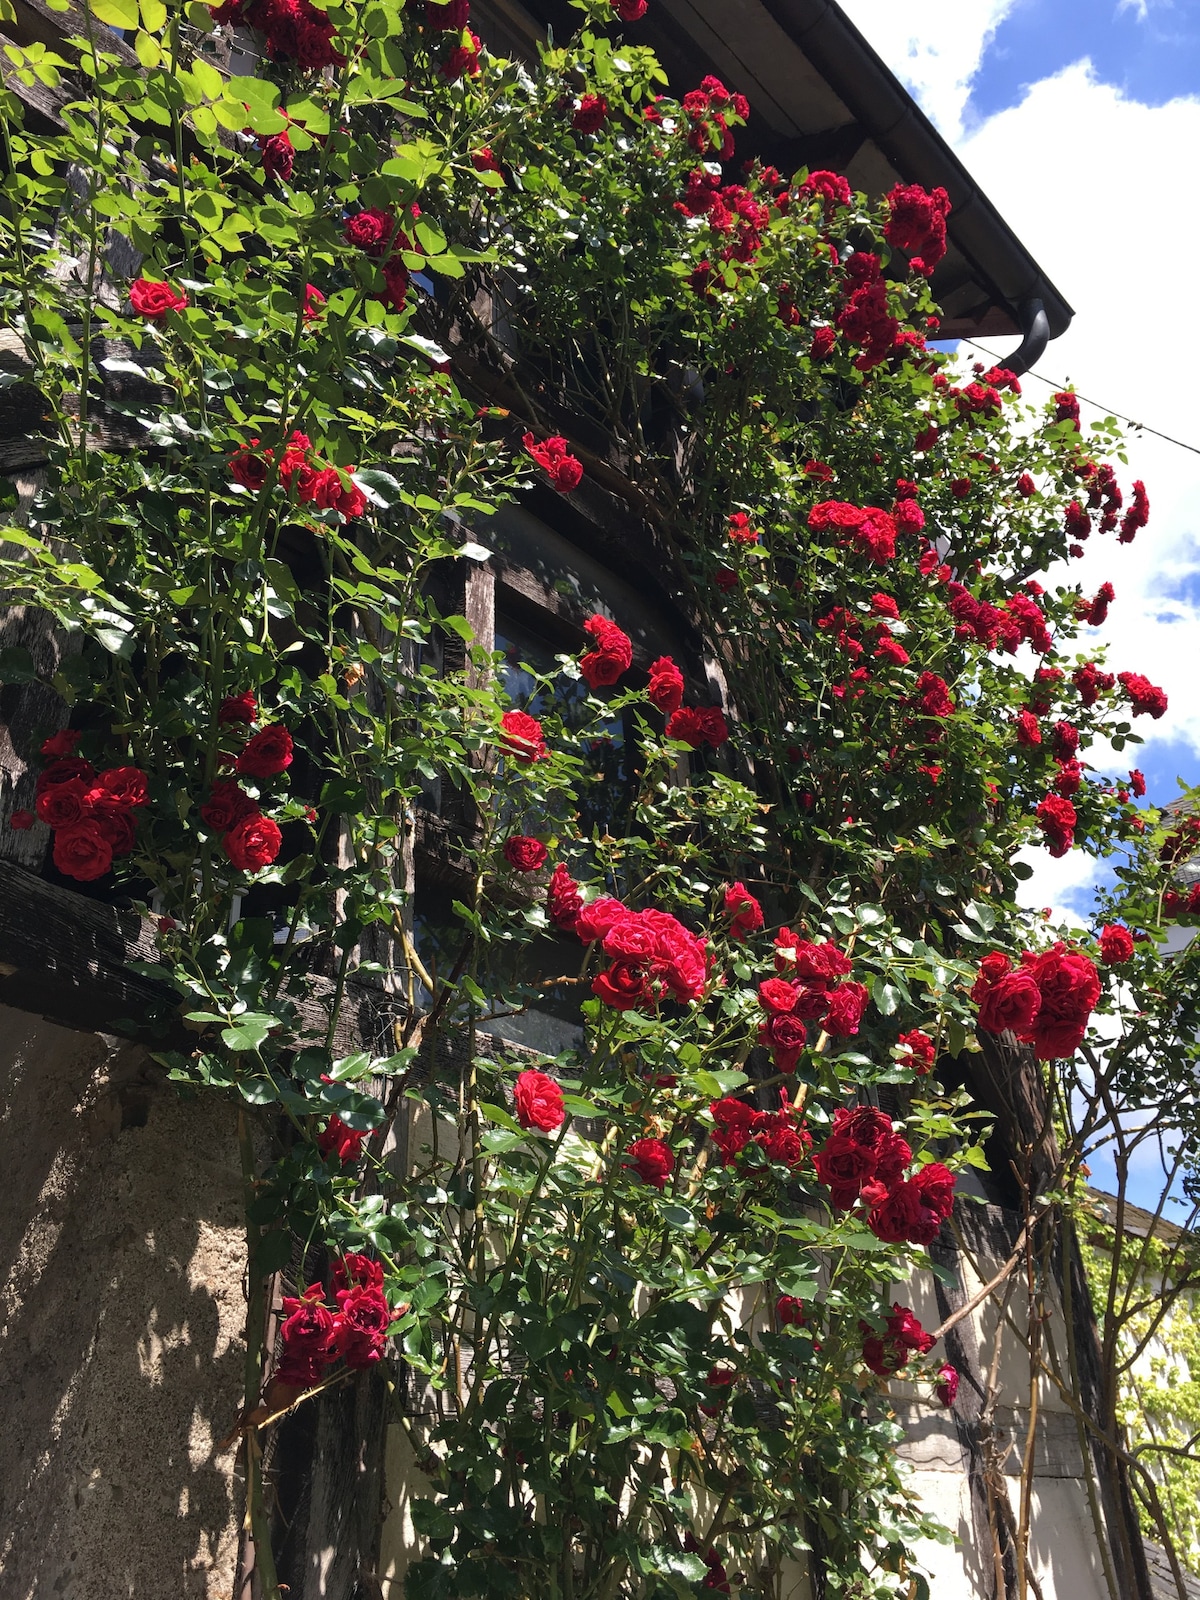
x,y
71,959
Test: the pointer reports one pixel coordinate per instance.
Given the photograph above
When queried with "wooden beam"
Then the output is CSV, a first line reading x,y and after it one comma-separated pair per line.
x,y
70,959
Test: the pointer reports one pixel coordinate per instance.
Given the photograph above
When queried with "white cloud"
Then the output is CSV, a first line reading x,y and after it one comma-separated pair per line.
x,y
934,46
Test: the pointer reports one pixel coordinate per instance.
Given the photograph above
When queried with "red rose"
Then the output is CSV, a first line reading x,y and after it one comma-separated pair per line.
x,y
630,10
933,695
82,851
314,301
523,853
63,771
62,805
113,818
307,1334
777,996
1069,986
777,1134
1028,728
591,114
538,1101
784,1035
61,743
337,1139
789,1312
252,843
739,529
935,1184
152,300
1137,783
127,786
917,224
900,1216
652,1160
887,1353
361,1325
484,161
1056,818
249,469
665,689
521,737
697,725
920,1051
1144,698
267,753
718,1381
612,656
353,1268
563,899
278,156
370,231
743,910
947,1385
733,1124
226,806
1010,1001
846,1006
556,461
463,58
238,707
597,917
1116,944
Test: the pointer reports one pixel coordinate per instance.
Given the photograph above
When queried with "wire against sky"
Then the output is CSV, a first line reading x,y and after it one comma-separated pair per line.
x,y
1108,410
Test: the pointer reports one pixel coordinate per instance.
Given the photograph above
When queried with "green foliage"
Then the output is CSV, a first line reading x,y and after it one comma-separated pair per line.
x,y
564,1314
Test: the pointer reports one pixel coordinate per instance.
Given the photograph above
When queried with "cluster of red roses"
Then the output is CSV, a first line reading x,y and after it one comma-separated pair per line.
x,y
1005,627
888,1352
652,955
294,30
314,482
315,1335
452,17
866,318
732,211
814,995
563,469
1104,495
865,529
378,234
780,1135
917,225
92,813
709,110
863,1160
1046,1001
250,840
1145,698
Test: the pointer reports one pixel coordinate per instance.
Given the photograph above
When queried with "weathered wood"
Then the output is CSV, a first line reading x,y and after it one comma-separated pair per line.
x,y
69,959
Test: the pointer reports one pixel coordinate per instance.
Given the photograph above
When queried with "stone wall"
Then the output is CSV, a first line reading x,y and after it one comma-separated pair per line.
x,y
121,1351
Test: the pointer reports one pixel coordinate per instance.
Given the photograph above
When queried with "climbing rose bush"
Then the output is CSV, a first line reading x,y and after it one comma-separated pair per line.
x,y
754,885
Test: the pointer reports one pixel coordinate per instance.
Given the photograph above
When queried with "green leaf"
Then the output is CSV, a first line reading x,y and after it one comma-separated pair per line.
x,y
250,1031
501,1118
115,13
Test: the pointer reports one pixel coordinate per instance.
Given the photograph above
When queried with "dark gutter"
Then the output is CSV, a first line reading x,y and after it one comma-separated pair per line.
x,y
884,108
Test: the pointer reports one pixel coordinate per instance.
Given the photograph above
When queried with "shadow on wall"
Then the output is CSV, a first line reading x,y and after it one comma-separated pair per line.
x,y
121,1349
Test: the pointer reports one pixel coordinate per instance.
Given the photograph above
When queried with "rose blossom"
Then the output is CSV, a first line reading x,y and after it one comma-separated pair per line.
x,y
253,843
61,744
226,806
337,1139
1007,1000
743,910
947,1385
361,1327
238,708
1116,944
269,752
612,656
82,851
887,1353
789,1312
563,899
1069,986
920,1051
652,1160
538,1101
307,1335
560,466
524,854
521,737
665,689
697,725
152,300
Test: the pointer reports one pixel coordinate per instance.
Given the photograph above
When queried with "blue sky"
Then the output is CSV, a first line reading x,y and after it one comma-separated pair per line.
x,y
1150,53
